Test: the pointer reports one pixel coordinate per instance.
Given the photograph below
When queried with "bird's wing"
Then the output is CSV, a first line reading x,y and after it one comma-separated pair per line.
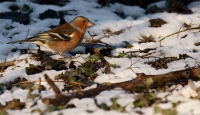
x,y
60,33
50,36
44,37
64,29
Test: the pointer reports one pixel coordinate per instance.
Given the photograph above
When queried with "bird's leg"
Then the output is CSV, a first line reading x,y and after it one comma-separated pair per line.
x,y
38,51
29,50
38,47
64,56
67,57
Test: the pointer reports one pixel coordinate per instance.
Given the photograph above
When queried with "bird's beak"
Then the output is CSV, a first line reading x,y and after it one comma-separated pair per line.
x,y
90,24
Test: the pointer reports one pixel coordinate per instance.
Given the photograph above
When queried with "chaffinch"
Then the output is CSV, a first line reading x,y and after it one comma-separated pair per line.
x,y
62,38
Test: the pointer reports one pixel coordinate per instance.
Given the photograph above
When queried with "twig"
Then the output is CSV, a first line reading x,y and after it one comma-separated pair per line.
x,y
11,63
130,67
142,51
13,104
4,63
114,33
193,87
27,34
26,82
59,99
107,69
53,86
39,85
90,35
145,55
179,32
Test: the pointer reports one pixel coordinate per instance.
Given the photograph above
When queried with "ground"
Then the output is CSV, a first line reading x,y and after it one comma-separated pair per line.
x,y
130,32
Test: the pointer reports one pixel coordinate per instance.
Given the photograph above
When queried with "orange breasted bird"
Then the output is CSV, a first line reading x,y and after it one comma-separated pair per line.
x,y
62,38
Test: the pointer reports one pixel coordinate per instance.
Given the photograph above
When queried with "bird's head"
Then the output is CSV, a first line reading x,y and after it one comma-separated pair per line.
x,y
82,23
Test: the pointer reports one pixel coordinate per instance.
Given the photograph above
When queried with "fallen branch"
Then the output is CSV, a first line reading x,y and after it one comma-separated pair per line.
x,y
141,79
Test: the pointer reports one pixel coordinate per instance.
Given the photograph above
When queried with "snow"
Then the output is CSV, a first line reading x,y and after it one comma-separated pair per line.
x,y
104,17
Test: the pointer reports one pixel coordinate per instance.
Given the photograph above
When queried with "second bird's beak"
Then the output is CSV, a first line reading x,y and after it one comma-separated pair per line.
x,y
90,24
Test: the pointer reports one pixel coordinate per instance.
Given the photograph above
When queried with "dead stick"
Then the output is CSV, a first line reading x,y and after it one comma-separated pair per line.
x,y
15,103
59,99
193,87
31,81
39,85
114,33
3,64
53,86
11,63
128,85
179,32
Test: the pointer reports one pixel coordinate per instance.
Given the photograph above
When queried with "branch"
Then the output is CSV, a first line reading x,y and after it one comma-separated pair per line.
x,y
179,32
130,85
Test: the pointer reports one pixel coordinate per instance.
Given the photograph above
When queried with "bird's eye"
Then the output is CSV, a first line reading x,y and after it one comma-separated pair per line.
x,y
84,21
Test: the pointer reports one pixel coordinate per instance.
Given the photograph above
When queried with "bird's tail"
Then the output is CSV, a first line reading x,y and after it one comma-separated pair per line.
x,y
18,41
